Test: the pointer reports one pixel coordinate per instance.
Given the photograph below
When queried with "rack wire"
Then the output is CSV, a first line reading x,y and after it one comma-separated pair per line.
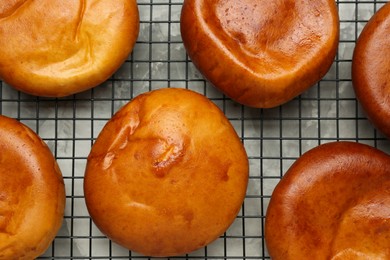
x,y
274,138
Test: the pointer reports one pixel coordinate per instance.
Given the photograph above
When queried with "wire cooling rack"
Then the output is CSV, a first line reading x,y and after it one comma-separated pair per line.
x,y
274,138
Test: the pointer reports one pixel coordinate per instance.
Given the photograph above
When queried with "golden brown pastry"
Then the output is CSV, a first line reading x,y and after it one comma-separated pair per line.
x,y
261,53
371,69
57,48
32,194
333,203
167,174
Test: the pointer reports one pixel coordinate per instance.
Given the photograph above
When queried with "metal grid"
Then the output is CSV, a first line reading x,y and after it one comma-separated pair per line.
x,y
274,138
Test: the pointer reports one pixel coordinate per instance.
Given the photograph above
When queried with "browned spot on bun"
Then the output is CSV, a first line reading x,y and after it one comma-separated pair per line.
x,y
165,155
261,53
57,48
167,174
333,203
371,69
32,193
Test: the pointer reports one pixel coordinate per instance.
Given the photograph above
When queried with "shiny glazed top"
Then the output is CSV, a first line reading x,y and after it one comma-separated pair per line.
x,y
261,53
57,48
333,203
32,194
371,69
167,174
271,38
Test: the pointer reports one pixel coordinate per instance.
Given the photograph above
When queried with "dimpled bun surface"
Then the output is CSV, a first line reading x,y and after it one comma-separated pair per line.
x,y
333,203
261,53
32,194
57,48
167,175
371,69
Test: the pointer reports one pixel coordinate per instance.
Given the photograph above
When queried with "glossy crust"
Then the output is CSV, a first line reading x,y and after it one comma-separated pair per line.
x,y
261,53
32,194
333,203
167,174
371,69
57,48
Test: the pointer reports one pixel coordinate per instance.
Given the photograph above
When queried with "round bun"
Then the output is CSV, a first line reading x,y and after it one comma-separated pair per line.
x,y
333,203
32,194
57,48
261,53
167,174
371,69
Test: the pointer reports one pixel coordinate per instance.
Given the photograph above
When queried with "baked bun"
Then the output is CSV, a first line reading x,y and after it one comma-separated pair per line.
x,y
57,48
371,69
167,174
32,194
333,203
261,53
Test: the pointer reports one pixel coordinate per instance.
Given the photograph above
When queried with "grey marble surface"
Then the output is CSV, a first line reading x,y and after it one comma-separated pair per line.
x,y
273,138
